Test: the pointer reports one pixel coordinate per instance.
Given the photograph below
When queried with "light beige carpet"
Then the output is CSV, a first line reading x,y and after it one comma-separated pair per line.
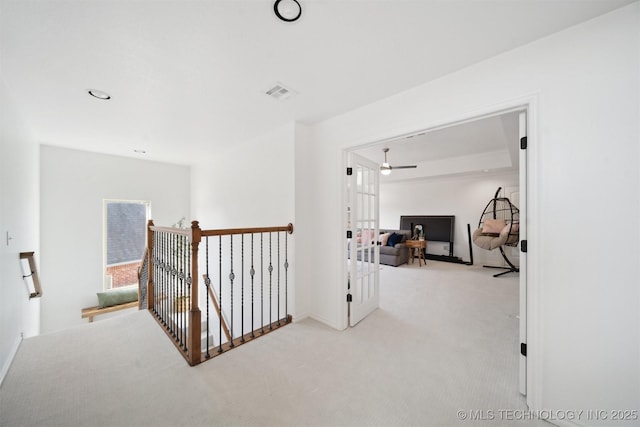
x,y
444,340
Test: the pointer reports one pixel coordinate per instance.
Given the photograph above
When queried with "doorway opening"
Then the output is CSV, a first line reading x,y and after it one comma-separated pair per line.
x,y
472,154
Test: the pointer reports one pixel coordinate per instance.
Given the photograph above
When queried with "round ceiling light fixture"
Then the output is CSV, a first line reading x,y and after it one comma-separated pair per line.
x,y
98,94
287,10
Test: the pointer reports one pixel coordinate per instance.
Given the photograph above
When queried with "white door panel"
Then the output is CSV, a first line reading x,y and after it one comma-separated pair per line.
x,y
363,205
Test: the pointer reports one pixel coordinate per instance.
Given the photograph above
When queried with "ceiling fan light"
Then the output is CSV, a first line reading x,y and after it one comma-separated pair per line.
x,y
385,169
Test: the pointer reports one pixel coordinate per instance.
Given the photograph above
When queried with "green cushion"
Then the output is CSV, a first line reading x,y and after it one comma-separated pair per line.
x,y
117,297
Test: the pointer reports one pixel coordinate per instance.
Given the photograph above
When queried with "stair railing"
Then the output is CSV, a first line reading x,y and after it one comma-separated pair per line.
x,y
174,263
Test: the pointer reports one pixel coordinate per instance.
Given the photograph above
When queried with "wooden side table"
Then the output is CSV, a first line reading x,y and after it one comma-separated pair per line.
x,y
417,245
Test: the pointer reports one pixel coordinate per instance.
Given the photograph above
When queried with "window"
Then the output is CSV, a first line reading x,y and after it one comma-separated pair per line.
x,y
125,234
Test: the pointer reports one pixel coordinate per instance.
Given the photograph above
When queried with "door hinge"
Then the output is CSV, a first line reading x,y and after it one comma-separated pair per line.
x,y
349,234
349,298
523,349
523,246
349,171
523,143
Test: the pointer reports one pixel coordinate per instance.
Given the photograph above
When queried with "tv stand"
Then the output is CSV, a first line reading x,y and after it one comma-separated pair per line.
x,y
437,228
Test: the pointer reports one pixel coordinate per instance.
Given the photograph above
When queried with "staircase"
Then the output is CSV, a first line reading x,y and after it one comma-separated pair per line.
x,y
244,288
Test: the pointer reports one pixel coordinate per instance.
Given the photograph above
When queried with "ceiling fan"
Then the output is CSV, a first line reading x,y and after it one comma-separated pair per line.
x,y
386,168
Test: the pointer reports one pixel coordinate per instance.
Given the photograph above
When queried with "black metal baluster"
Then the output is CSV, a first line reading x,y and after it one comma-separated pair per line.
x,y
286,270
183,287
252,272
162,274
185,270
278,235
189,281
220,292
167,312
181,260
174,282
178,316
164,278
270,282
168,281
163,248
155,272
207,283
231,277
159,276
180,268
242,288
261,284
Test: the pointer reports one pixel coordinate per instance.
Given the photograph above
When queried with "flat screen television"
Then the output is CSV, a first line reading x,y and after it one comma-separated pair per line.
x,y
437,228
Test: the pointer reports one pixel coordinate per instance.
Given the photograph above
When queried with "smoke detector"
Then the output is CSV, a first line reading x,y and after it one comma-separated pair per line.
x,y
280,92
287,10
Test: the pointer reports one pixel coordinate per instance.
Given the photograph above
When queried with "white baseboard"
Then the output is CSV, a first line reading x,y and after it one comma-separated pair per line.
x,y
9,361
300,317
323,320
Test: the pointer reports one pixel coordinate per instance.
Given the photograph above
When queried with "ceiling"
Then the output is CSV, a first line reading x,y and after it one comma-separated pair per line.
x,y
188,77
487,145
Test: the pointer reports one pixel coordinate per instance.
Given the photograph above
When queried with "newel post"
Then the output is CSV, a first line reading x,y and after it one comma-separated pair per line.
x,y
195,356
150,297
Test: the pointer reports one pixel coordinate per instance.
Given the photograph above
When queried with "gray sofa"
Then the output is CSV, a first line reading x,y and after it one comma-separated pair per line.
x,y
398,254
393,255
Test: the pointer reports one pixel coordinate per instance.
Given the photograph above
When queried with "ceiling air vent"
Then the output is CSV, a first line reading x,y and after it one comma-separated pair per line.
x,y
280,92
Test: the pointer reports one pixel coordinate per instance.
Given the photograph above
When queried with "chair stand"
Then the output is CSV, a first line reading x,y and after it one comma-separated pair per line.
x,y
511,269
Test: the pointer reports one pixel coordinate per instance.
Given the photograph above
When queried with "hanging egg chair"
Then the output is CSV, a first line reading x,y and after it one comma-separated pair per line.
x,y
498,227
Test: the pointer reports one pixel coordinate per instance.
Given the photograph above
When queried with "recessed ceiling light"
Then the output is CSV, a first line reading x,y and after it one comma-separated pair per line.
x,y
485,170
98,94
287,10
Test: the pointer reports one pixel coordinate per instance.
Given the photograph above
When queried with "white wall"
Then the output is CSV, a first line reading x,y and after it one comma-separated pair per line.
x,y
584,303
305,208
253,186
462,196
73,186
19,216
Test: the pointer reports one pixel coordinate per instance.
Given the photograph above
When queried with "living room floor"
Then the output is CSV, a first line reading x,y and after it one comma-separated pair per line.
x,y
444,340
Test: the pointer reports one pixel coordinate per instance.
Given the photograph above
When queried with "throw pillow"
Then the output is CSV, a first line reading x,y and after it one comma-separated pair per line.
x,y
117,297
371,236
394,239
493,226
384,238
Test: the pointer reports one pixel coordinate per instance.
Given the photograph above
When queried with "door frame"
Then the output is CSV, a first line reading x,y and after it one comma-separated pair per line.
x,y
528,103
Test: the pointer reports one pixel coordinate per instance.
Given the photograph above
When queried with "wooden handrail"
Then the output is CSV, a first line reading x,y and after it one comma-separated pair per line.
x,y
181,231
224,232
217,307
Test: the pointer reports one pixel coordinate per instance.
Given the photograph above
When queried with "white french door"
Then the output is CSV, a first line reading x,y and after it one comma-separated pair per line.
x,y
522,383
363,225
